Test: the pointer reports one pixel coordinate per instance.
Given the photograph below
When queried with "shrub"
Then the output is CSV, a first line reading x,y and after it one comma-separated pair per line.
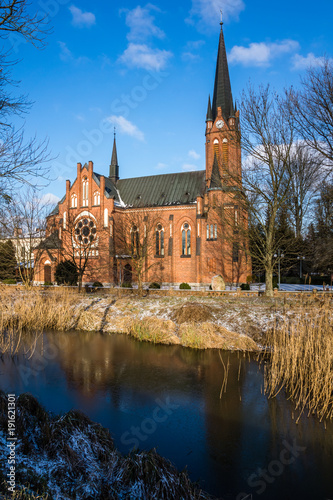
x,y
155,285
66,273
184,286
97,284
245,286
126,284
9,281
275,283
48,283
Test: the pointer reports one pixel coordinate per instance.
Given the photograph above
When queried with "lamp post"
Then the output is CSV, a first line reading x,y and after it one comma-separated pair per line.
x,y
280,256
300,258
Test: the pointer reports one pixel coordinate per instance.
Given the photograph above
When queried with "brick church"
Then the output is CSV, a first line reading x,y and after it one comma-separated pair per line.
x,y
172,228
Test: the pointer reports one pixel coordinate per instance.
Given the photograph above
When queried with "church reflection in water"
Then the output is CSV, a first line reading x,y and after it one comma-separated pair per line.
x,y
225,442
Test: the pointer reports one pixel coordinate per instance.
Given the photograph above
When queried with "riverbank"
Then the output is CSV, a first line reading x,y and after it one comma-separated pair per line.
x,y
229,323
70,456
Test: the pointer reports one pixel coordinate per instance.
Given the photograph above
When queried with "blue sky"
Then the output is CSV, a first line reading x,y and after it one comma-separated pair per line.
x,y
147,68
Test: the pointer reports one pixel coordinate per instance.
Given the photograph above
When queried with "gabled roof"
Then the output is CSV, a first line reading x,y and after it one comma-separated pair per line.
x,y
55,211
160,190
50,242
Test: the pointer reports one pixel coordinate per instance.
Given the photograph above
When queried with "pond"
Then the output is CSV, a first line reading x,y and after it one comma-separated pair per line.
x,y
168,398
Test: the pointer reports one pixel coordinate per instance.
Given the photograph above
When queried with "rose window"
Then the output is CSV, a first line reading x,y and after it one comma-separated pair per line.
x,y
85,231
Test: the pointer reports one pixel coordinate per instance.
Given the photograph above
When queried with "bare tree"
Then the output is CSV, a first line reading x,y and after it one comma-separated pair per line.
x,y
138,244
268,135
312,108
15,17
23,222
21,161
84,242
305,172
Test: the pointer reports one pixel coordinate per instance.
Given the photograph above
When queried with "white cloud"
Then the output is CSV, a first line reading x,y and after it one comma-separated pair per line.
x,y
142,24
67,56
142,56
190,52
261,54
82,19
188,167
161,166
299,62
65,53
49,199
126,127
193,154
207,12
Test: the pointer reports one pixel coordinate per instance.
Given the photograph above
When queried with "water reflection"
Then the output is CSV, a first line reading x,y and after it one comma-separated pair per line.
x,y
168,397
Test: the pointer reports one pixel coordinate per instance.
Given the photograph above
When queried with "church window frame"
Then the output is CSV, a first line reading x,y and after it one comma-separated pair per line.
x,y
106,217
74,201
85,191
159,240
186,239
135,241
211,232
97,198
216,148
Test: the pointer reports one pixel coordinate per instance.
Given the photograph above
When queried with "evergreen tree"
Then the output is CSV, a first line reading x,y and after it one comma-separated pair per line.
x,y
320,235
7,260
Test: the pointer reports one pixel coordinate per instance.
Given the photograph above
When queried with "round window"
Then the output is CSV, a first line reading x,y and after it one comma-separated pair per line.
x,y
85,231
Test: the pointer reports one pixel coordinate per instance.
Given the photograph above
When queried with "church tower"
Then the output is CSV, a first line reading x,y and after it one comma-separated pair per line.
x,y
223,157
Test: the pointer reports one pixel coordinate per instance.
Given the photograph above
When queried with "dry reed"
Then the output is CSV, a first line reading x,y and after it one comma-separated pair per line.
x,y
32,311
301,361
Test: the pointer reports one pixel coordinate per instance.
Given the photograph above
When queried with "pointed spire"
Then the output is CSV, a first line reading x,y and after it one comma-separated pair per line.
x,y
209,116
215,179
114,168
222,89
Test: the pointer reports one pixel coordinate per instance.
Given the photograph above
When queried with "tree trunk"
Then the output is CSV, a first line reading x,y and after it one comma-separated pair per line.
x,y
269,280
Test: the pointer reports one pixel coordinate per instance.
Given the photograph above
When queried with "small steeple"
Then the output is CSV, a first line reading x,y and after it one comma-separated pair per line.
x,y
209,116
114,167
215,179
222,96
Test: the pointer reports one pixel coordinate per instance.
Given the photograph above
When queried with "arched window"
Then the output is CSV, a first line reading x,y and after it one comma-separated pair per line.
x,y
65,220
186,239
215,231
74,201
211,231
135,240
225,154
106,217
159,234
207,236
97,198
216,148
85,186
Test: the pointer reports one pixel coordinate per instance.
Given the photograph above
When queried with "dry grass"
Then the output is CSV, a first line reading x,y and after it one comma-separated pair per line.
x,y
208,335
33,311
301,361
152,329
194,312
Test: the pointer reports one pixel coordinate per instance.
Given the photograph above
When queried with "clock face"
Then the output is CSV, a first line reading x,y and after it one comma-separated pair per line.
x,y
219,123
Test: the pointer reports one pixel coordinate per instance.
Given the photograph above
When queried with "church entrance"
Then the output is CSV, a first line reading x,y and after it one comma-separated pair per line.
x,y
47,274
127,274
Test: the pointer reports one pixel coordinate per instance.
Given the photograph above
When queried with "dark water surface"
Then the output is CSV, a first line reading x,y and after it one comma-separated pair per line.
x,y
168,397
